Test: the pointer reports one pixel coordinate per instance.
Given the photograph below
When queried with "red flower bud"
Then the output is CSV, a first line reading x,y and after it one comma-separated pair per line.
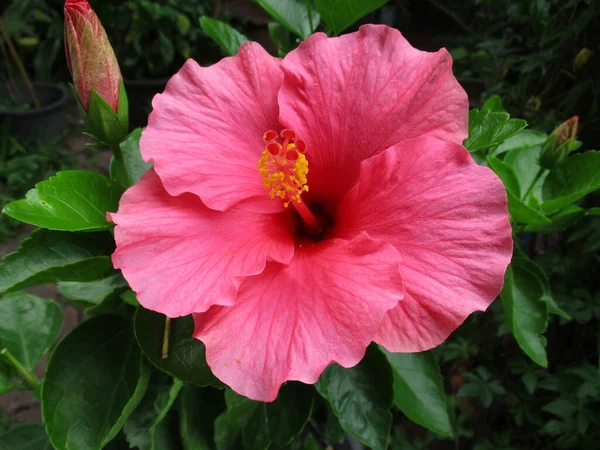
x,y
90,57
567,131
559,144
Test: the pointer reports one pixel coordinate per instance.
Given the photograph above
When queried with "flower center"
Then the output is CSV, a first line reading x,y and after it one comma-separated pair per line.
x,y
283,166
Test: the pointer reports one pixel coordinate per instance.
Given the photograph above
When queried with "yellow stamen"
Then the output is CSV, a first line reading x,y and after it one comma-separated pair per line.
x,y
284,171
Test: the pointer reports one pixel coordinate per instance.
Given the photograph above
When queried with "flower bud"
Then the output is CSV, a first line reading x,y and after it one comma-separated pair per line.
x,y
567,132
582,58
90,57
559,144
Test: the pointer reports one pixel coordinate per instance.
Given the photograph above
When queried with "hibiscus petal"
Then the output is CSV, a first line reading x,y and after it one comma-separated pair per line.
x,y
205,131
290,322
182,257
353,96
447,217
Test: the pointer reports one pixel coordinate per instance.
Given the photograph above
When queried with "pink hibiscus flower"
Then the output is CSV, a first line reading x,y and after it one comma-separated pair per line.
x,y
302,208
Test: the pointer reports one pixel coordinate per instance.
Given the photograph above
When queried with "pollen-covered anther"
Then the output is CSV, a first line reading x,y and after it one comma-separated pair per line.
x,y
284,166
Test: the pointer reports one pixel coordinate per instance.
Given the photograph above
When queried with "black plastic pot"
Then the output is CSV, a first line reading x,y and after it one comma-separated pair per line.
x,y
140,94
44,123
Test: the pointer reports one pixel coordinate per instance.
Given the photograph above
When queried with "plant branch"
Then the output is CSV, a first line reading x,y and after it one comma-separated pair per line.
x,y
216,9
15,56
26,375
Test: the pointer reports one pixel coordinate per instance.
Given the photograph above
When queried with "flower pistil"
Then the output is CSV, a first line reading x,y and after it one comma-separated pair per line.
x,y
283,166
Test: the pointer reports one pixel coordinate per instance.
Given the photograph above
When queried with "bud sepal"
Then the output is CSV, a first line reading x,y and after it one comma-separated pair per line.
x,y
103,123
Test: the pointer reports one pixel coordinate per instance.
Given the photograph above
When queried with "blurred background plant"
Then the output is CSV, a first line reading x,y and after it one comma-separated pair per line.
x,y
36,27
31,129
22,165
152,38
540,56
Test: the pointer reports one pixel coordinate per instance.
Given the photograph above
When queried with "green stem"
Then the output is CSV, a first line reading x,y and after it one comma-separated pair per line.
x,y
26,375
537,177
116,150
165,347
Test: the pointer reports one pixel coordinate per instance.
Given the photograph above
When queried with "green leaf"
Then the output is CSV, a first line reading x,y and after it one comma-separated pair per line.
x,y
122,128
95,379
29,326
526,311
488,129
341,14
530,381
186,359
256,425
540,274
522,213
92,293
518,209
73,200
524,162
29,436
289,413
132,159
419,390
563,407
553,308
199,409
142,427
506,174
521,140
570,180
51,256
183,23
333,430
226,37
493,104
311,443
560,220
361,397
553,428
242,425
298,16
281,37
130,298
